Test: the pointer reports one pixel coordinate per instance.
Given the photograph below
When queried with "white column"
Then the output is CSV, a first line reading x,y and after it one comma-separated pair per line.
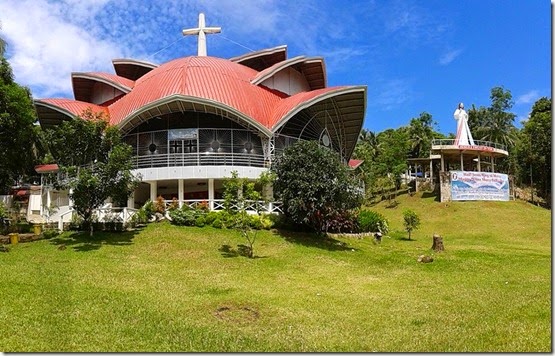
x,y
153,190
492,164
180,191
431,170
48,199
131,200
479,166
69,197
462,167
211,193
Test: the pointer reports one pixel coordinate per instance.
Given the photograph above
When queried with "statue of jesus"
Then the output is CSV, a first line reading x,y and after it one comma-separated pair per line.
x,y
464,137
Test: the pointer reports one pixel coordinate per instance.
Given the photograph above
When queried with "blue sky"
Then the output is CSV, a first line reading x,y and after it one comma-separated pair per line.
x,y
414,56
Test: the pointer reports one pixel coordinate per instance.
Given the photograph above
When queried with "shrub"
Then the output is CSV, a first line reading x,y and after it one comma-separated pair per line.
x,y
217,223
174,204
50,233
199,222
210,217
266,221
140,217
149,209
344,221
372,221
160,205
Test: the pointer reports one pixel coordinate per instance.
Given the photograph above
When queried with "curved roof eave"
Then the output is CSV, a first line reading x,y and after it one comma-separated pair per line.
x,y
316,79
122,65
135,62
67,107
195,100
321,74
271,71
298,102
351,110
273,55
108,79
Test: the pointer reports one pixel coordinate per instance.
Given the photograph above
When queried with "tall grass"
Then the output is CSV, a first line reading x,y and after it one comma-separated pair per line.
x,y
169,288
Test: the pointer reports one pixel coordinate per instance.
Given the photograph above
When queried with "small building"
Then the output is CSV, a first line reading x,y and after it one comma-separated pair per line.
x,y
467,169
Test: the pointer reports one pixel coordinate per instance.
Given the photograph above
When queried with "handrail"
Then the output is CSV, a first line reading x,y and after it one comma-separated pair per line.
x,y
198,159
451,142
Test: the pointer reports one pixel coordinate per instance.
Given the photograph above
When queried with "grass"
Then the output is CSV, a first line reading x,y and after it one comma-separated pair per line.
x,y
169,288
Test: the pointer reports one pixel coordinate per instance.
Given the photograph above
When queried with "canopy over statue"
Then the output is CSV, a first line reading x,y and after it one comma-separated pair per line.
x,y
464,137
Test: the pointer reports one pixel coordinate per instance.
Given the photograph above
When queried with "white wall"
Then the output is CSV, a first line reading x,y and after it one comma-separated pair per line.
x,y
287,81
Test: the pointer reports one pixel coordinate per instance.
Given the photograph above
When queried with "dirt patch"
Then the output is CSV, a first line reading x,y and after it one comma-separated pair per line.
x,y
237,314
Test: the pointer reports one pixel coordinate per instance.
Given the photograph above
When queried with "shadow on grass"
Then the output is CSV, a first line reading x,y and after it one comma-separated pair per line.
x,y
80,241
313,240
229,252
428,194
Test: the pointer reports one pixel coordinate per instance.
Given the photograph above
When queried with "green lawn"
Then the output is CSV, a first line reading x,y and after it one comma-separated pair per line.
x,y
169,288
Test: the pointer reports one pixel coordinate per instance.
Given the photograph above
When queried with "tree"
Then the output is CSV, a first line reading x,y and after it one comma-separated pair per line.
x,y
314,185
411,221
17,129
494,123
97,164
392,161
421,133
238,193
534,149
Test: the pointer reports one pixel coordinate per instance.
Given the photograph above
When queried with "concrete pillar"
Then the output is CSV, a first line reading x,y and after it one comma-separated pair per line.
x,y
442,163
492,164
211,193
180,191
431,170
479,166
462,167
153,190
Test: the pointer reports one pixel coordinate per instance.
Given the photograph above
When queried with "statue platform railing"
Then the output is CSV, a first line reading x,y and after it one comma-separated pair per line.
x,y
477,143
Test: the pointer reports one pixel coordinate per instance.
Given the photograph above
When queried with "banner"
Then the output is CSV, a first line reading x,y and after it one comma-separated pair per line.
x,y
479,186
182,134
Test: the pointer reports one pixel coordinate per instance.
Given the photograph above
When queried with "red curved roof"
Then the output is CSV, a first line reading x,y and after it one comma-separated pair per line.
x,y
218,86
208,78
73,107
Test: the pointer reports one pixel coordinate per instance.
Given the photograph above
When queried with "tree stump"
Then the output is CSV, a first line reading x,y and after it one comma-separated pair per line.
x,y
437,245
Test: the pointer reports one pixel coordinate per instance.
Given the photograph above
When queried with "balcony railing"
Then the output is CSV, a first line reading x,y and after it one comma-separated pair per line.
x,y
451,142
198,159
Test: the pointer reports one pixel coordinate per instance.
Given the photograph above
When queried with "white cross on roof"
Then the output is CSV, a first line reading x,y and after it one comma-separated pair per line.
x,y
201,31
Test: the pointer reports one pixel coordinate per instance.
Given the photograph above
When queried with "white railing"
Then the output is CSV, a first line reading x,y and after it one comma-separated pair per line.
x,y
198,159
107,214
124,215
452,142
252,206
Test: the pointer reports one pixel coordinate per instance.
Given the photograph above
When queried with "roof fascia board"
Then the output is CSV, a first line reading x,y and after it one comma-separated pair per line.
x,y
260,53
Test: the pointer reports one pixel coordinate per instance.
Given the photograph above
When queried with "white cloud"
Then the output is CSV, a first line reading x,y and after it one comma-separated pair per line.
x,y
528,98
391,94
44,46
450,56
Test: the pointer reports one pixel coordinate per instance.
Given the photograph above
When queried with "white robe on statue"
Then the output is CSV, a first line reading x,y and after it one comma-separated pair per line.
x,y
464,137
